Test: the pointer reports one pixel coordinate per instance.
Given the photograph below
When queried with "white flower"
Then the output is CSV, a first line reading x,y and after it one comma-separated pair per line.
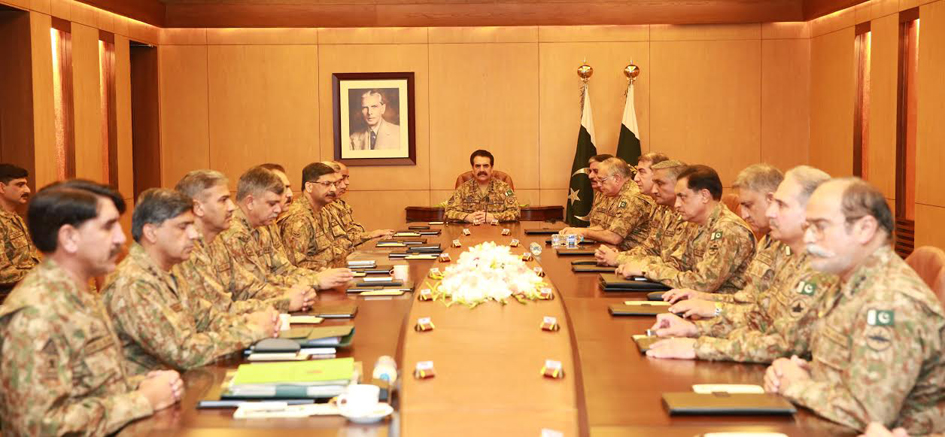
x,y
488,272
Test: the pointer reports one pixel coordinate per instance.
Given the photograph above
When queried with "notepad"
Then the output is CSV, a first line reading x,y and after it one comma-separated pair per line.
x,y
727,388
322,372
727,404
305,320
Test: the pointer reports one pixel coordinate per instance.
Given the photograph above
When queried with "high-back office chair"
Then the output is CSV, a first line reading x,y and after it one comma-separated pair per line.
x,y
496,174
929,263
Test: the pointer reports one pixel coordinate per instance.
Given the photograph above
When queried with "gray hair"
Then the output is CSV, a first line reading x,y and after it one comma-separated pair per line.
x,y
809,178
673,167
761,178
653,158
258,180
334,165
193,184
157,205
615,166
860,199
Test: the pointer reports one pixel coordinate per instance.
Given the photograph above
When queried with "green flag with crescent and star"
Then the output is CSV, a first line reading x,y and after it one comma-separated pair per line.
x,y
628,144
580,193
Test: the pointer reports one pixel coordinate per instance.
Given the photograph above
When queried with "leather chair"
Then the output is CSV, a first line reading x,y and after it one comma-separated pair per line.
x,y
929,263
496,174
731,201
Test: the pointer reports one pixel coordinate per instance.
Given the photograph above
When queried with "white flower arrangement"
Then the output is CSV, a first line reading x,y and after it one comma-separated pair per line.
x,y
488,272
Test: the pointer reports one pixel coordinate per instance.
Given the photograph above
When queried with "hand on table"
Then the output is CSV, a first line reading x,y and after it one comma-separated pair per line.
x,y
785,372
678,348
694,307
630,269
300,297
606,255
678,294
162,388
333,278
671,325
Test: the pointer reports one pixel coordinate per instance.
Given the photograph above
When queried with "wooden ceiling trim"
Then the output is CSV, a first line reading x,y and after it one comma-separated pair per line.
x,y
818,8
147,11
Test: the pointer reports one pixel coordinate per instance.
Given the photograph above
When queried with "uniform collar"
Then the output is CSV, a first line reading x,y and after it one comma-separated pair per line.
x,y
141,258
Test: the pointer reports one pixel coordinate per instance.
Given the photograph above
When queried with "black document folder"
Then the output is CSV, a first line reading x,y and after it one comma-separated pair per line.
x,y
613,282
575,252
592,269
584,262
543,231
728,404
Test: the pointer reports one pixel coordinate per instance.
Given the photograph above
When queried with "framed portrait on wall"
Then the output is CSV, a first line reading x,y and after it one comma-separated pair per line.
x,y
374,118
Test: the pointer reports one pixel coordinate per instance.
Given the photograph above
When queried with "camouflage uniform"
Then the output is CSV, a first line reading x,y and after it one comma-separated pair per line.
x,y
714,257
17,254
343,213
779,322
666,228
770,257
255,251
877,351
160,326
211,275
499,201
313,240
627,214
60,361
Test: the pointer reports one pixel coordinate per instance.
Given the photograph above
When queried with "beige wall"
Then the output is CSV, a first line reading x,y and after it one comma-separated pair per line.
x,y
832,94
232,98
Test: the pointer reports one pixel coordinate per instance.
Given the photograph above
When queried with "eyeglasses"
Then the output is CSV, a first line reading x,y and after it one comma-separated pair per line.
x,y
819,227
602,180
326,184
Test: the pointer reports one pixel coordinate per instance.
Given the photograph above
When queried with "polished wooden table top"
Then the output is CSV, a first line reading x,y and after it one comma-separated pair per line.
x,y
616,390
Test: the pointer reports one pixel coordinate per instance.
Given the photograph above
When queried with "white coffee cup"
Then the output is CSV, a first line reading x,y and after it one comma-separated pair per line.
x,y
359,399
401,272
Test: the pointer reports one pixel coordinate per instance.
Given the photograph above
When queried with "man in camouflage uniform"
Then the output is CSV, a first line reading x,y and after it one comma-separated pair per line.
x,y
756,187
17,253
61,365
774,314
665,223
877,352
644,175
624,221
287,196
158,323
314,238
258,197
716,253
210,271
483,199
344,214
593,170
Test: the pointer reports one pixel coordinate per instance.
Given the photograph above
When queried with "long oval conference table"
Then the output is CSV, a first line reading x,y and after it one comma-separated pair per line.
x,y
488,364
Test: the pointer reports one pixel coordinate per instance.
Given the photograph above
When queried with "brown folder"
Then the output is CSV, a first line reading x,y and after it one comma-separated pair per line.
x,y
727,404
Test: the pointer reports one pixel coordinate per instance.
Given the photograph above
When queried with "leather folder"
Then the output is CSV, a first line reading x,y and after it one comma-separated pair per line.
x,y
643,308
645,341
592,269
727,404
584,262
612,282
575,252
432,248
377,270
543,231
656,295
342,311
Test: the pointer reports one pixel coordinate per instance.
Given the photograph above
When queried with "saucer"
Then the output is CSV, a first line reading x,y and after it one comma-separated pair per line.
x,y
379,412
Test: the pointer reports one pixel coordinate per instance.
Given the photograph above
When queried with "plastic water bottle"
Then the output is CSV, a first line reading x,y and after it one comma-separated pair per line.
x,y
535,248
555,240
385,369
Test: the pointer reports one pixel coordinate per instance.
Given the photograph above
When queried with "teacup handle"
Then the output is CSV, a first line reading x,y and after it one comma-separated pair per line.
x,y
342,399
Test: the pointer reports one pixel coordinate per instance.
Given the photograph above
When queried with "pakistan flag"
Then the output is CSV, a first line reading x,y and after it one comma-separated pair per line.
x,y
580,193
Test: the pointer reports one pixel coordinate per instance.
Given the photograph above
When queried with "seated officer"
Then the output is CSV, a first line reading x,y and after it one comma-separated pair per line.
x,y
876,352
18,255
482,199
778,306
593,167
343,213
715,254
665,225
644,176
52,327
211,272
624,221
314,239
160,325
287,196
259,202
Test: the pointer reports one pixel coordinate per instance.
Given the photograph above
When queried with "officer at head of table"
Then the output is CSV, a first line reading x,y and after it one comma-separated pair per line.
x,y
482,199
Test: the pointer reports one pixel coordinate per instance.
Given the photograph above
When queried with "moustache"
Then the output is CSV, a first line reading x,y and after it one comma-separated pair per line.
x,y
116,250
819,252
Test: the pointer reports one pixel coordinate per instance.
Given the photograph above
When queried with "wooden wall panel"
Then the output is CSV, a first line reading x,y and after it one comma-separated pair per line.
x,y
831,103
16,91
482,96
706,103
43,112
263,107
343,58
930,145
384,209
928,226
123,111
881,153
785,102
185,141
89,154
560,105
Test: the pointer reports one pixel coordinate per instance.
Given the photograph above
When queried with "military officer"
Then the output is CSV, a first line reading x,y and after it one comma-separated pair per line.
x,y
343,212
18,255
483,198
314,238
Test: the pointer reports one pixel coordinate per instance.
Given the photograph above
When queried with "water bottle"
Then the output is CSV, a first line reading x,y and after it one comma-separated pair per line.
x,y
385,369
535,248
572,241
555,240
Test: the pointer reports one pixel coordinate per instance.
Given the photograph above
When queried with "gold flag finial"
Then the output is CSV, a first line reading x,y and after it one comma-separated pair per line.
x,y
631,71
585,71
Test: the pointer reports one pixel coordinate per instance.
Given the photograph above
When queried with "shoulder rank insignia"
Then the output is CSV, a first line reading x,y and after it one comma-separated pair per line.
x,y
715,236
623,204
508,192
880,318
